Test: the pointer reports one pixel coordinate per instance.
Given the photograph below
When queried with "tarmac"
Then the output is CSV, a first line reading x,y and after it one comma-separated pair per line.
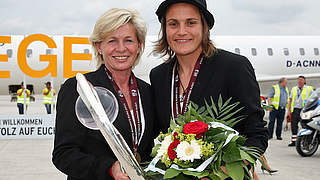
x,y
30,159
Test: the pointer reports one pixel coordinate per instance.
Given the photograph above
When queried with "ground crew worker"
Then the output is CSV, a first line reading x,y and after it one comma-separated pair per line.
x,y
20,98
278,98
48,97
298,97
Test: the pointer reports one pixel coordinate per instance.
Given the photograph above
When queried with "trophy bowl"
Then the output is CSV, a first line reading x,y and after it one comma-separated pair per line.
x,y
109,104
96,108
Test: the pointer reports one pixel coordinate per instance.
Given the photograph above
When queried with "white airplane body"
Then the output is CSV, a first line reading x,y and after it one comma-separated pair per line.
x,y
38,58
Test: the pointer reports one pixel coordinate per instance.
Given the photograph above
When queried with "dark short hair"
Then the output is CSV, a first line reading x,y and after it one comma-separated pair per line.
x,y
305,81
282,79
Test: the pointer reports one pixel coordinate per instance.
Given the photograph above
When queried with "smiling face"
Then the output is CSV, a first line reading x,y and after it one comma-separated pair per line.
x,y
120,48
184,29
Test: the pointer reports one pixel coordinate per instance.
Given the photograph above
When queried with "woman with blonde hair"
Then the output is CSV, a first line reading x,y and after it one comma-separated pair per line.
x,y
118,40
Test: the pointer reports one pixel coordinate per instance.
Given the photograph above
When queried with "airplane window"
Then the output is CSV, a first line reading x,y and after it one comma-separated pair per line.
x,y
253,51
9,53
86,51
270,52
237,50
316,51
286,51
302,53
29,52
48,51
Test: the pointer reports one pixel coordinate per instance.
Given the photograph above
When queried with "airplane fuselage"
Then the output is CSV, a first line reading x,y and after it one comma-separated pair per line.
x,y
39,58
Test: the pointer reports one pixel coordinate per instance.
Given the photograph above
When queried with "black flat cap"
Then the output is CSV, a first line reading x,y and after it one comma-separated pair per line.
x,y
200,4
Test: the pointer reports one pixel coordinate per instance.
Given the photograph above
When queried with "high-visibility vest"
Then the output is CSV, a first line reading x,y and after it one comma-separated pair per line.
x,y
20,99
275,100
304,95
47,98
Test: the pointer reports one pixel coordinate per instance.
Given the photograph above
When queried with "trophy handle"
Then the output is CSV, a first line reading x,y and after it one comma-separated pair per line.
x,y
96,118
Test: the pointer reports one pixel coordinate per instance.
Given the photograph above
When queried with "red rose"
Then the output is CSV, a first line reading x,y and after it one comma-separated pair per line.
x,y
196,127
171,152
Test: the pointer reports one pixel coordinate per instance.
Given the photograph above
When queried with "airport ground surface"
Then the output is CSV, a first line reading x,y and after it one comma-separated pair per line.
x,y
30,159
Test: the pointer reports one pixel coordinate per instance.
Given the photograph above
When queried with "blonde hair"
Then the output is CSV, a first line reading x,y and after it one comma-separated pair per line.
x,y
162,47
111,21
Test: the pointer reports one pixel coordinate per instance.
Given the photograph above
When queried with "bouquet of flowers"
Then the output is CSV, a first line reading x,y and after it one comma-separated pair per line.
x,y
201,144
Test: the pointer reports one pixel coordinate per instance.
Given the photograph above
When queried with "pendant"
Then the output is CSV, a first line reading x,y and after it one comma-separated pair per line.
x,y
137,156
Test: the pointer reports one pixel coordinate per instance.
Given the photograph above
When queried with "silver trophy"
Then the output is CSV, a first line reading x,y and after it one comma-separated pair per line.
x,y
96,108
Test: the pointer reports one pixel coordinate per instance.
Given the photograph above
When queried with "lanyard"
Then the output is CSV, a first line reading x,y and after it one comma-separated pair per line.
x,y
135,122
176,85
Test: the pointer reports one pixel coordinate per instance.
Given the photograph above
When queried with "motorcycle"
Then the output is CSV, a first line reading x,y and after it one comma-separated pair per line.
x,y
309,136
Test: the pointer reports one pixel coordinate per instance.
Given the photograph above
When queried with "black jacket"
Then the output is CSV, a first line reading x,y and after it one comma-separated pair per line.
x,y
225,74
82,153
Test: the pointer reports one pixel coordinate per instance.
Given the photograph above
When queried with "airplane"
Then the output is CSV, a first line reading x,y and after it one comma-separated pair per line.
x,y
38,58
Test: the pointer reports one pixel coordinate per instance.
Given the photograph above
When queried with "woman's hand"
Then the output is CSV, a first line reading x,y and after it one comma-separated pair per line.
x,y
117,173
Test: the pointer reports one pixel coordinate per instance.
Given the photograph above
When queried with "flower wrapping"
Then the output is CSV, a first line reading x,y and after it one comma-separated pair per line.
x,y
201,144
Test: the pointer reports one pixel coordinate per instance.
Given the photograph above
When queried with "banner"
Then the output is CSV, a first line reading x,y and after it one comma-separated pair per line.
x,y
27,126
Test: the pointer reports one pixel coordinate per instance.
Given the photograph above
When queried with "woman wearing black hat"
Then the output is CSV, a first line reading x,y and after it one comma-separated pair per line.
x,y
195,70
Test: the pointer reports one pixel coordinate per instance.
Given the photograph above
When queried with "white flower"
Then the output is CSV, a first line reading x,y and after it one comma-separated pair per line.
x,y
186,151
164,146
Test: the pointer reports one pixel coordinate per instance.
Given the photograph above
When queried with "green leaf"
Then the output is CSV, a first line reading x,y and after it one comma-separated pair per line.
x,y
193,105
220,102
152,175
188,115
181,176
209,109
226,103
234,121
193,112
221,137
214,177
227,109
218,171
173,125
201,110
171,173
231,114
253,151
214,106
247,157
154,150
231,153
180,120
214,131
196,174
241,140
235,170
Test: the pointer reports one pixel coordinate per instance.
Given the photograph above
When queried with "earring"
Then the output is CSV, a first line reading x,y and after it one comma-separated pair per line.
x,y
100,52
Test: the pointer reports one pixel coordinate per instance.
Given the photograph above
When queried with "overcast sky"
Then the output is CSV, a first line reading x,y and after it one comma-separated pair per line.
x,y
233,17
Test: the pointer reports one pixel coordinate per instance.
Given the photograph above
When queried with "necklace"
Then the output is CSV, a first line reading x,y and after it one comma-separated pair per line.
x,y
126,94
183,89
179,105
